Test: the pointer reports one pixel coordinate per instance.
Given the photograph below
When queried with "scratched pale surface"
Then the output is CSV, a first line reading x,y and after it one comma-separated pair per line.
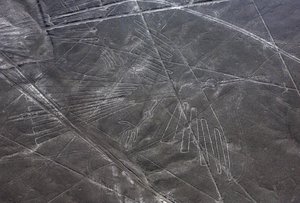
x,y
149,101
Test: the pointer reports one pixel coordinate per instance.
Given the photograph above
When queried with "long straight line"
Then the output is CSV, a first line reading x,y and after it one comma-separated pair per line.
x,y
185,8
36,95
286,69
174,89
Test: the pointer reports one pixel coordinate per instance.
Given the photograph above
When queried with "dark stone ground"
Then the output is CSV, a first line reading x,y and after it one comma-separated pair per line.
x,y
156,101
